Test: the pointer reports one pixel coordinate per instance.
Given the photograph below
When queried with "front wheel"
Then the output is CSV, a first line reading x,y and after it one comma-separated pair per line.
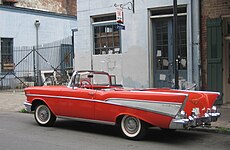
x,y
133,128
43,116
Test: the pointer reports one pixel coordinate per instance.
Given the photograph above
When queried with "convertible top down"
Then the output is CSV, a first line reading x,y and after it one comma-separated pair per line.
x,y
93,96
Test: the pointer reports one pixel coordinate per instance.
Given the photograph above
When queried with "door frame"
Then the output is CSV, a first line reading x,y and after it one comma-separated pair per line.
x,y
151,55
226,60
183,73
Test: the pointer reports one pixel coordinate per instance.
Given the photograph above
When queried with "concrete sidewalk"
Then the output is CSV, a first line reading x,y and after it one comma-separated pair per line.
x,y
13,101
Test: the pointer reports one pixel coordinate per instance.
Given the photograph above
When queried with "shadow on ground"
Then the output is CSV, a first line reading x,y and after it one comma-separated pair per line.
x,y
154,134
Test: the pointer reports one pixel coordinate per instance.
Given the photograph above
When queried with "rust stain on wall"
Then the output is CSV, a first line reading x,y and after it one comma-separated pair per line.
x,y
59,6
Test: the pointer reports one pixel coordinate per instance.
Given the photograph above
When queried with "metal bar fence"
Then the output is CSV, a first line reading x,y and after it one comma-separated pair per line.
x,y
50,59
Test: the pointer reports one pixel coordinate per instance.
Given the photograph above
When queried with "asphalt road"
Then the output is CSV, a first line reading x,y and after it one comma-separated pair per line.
x,y
18,131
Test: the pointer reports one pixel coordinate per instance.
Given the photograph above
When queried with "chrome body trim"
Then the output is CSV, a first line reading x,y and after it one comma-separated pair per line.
x,y
27,106
154,92
191,91
88,120
184,104
64,97
194,121
144,101
163,108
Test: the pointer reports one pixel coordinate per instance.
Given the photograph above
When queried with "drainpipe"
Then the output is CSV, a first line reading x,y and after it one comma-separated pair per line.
x,y
175,56
200,55
195,42
192,44
73,31
37,24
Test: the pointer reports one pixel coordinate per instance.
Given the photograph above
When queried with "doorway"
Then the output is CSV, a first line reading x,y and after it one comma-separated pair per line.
x,y
163,51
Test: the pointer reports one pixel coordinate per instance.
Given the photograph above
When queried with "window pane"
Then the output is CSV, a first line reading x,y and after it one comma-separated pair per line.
x,y
6,53
97,42
103,42
182,42
96,32
162,44
109,29
110,41
106,39
116,41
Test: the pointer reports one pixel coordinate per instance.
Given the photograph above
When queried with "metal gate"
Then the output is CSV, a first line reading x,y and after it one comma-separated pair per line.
x,y
51,64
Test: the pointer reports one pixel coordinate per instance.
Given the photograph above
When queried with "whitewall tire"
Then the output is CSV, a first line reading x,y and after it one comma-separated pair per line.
x,y
44,116
132,128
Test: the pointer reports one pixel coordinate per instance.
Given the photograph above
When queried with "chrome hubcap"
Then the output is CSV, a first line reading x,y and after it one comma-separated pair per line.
x,y
43,114
131,125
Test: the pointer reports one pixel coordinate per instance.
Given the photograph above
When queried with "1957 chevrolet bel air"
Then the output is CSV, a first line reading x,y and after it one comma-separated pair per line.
x,y
92,96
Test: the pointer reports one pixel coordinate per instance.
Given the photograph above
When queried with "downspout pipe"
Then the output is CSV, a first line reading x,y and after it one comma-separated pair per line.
x,y
192,43
195,42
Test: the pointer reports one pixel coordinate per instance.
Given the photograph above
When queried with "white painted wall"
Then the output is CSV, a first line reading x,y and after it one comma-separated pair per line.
x,y
19,24
132,66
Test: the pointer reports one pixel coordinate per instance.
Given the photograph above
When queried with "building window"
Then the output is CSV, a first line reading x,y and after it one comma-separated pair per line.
x,y
6,54
106,36
182,42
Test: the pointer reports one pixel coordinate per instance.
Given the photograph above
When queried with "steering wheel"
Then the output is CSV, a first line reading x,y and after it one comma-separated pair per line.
x,y
85,83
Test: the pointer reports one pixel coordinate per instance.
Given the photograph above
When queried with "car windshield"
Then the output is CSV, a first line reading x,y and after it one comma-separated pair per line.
x,y
91,78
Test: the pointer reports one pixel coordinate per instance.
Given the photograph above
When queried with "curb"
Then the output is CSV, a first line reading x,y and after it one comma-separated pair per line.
x,y
219,130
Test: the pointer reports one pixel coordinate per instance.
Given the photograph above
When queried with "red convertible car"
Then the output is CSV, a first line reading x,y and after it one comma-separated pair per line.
x,y
93,96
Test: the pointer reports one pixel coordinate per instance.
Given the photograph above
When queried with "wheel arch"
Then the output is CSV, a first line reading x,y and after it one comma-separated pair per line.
x,y
120,116
39,101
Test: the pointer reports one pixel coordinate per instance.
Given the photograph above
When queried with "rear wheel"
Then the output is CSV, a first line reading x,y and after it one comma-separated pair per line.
x,y
132,128
44,116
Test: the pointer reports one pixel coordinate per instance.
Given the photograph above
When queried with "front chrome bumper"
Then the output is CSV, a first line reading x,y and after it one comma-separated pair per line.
x,y
194,120
27,106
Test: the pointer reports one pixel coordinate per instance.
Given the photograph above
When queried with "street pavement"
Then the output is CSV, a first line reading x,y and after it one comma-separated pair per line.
x,y
12,101
19,131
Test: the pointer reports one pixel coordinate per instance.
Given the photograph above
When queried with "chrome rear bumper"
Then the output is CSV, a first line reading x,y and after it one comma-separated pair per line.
x,y
194,120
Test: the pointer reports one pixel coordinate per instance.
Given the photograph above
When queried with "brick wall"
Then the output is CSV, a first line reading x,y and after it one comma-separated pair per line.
x,y
68,7
210,9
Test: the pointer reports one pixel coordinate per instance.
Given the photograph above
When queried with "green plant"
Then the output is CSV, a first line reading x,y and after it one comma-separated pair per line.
x,y
223,129
23,110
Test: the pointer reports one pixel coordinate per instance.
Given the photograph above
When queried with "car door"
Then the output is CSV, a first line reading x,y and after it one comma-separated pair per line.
x,y
77,103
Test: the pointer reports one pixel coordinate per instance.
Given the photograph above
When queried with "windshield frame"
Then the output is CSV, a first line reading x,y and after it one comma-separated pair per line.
x,y
76,76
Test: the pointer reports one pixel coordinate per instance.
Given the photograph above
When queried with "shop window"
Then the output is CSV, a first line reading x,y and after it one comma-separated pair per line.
x,y
106,36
